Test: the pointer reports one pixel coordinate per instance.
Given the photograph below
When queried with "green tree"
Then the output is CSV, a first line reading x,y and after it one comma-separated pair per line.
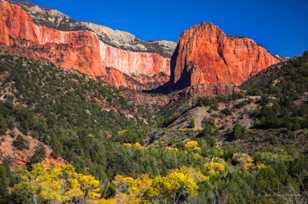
x,y
38,155
20,143
5,182
238,131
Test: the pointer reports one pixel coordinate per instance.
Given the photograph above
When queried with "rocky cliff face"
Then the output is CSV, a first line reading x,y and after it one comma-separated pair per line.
x,y
206,57
206,60
48,34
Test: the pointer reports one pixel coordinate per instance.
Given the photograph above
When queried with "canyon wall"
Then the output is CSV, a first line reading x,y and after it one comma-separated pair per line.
x,y
46,34
206,57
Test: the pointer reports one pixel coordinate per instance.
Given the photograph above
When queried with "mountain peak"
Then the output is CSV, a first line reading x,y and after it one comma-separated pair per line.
x,y
207,56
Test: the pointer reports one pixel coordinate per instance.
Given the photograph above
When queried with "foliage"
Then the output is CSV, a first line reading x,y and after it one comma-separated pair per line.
x,y
5,182
57,184
38,155
68,112
212,102
214,167
192,146
20,143
176,186
282,89
244,160
93,127
238,131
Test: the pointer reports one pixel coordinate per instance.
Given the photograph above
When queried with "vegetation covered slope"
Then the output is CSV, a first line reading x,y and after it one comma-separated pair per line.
x,y
284,89
65,110
249,147
273,102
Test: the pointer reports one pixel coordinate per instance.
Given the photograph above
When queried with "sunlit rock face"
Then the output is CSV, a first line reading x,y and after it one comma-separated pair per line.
x,y
48,34
134,62
206,57
78,50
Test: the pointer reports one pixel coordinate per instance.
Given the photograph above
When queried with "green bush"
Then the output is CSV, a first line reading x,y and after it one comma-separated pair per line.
x,y
20,143
238,131
38,155
5,182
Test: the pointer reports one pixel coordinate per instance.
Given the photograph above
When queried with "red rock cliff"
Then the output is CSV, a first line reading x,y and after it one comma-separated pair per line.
x,y
206,56
72,50
80,50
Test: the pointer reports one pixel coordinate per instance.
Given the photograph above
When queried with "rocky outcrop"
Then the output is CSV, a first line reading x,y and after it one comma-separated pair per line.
x,y
19,157
47,34
138,82
207,57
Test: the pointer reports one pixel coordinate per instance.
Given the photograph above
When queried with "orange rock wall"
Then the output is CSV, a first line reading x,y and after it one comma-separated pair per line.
x,y
131,63
72,50
205,55
79,50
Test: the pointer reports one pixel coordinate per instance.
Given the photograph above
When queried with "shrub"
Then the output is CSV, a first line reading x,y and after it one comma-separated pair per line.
x,y
60,184
20,143
214,167
229,150
238,131
192,146
209,130
177,186
226,111
191,123
38,156
5,181
244,160
3,125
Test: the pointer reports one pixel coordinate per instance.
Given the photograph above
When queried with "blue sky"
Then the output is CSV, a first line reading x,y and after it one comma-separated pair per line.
x,y
279,25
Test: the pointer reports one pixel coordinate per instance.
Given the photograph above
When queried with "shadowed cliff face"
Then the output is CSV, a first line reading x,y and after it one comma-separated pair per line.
x,y
27,31
206,57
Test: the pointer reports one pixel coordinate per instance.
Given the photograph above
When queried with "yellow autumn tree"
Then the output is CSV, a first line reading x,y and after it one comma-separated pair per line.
x,y
136,146
192,146
244,160
130,190
105,201
178,183
214,167
60,184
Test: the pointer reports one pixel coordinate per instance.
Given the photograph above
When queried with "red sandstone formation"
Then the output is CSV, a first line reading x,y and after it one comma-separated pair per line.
x,y
72,50
207,57
119,79
132,63
80,50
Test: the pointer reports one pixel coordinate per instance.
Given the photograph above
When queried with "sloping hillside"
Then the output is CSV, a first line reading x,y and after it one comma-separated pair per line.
x,y
65,110
284,90
250,146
